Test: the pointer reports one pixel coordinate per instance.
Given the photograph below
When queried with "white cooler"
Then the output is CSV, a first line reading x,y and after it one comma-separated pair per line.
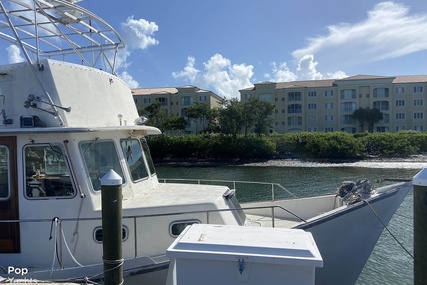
x,y
222,254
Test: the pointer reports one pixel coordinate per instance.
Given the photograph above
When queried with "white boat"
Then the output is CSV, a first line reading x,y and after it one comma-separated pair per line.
x,y
64,125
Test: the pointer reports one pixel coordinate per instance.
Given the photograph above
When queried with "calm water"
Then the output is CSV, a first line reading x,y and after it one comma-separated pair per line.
x,y
389,263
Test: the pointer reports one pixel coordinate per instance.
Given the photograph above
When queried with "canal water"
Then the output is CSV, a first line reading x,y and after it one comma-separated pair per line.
x,y
389,262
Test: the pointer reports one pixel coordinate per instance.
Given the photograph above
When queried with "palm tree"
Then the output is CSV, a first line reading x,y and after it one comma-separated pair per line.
x,y
370,116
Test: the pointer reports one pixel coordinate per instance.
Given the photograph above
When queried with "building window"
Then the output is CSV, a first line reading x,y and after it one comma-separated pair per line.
x,y
418,89
147,101
294,96
186,100
329,118
350,130
294,121
312,94
329,129
381,105
348,106
382,129
348,94
184,113
329,93
386,118
162,100
135,100
329,106
418,102
399,90
419,128
294,108
312,119
203,98
400,103
312,130
312,106
400,116
400,128
347,120
247,96
418,115
380,92
266,97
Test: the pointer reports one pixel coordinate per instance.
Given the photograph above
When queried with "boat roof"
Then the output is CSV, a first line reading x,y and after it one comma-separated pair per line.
x,y
133,130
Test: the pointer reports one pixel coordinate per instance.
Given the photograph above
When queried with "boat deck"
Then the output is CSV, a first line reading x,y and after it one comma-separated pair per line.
x,y
265,221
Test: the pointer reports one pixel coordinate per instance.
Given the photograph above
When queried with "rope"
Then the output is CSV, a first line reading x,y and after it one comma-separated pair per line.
x,y
379,219
69,251
54,223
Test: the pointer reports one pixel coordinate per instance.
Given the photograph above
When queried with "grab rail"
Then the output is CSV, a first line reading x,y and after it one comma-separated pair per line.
x,y
136,217
164,214
274,186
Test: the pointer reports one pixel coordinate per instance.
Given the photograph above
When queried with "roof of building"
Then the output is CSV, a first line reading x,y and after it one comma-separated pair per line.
x,y
165,90
332,82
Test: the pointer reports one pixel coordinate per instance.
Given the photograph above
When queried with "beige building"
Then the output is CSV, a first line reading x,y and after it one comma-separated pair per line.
x,y
328,105
176,101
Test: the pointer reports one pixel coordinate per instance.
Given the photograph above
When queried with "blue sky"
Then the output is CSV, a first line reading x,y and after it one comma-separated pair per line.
x,y
227,45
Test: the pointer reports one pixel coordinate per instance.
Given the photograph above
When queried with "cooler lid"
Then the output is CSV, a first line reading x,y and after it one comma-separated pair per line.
x,y
254,244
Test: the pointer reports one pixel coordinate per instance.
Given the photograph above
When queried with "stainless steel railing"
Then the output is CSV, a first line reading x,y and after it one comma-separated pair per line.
x,y
273,186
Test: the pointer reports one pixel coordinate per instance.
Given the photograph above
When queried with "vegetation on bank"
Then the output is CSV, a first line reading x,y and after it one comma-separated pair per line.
x,y
305,145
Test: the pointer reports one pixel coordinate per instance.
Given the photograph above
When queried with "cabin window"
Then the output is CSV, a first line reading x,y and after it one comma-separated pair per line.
x,y
100,157
176,228
4,173
132,152
98,236
148,156
47,173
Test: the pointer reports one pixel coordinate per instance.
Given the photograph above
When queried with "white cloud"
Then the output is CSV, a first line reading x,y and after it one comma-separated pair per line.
x,y
126,77
306,70
219,73
281,73
189,72
138,35
389,31
14,54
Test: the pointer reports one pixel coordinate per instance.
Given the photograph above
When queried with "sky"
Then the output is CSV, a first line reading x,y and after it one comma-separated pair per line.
x,y
227,45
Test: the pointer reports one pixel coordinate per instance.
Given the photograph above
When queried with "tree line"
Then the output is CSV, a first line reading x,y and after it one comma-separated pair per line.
x,y
304,145
231,118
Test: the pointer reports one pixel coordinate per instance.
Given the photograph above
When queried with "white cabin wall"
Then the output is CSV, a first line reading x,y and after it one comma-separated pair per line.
x,y
101,101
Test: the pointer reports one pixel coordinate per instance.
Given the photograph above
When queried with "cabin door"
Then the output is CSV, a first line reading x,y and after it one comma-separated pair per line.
x,y
9,232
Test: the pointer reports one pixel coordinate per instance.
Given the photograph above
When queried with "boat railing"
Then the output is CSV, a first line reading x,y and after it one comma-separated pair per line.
x,y
134,219
272,186
272,208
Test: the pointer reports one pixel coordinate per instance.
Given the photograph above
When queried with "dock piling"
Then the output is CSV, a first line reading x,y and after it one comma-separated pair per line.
x,y
111,193
420,228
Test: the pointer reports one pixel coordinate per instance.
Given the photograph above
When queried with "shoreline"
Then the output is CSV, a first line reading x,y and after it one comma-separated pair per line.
x,y
413,162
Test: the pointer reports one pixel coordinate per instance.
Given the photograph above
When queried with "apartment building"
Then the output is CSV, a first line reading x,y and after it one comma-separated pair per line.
x,y
328,105
176,100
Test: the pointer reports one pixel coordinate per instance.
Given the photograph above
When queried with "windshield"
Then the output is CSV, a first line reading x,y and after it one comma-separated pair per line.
x,y
132,153
100,157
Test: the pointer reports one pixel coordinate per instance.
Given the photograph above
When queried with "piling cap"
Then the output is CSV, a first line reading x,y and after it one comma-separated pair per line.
x,y
111,178
420,178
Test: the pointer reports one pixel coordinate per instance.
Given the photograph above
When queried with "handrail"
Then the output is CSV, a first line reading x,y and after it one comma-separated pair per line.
x,y
277,185
135,217
273,207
